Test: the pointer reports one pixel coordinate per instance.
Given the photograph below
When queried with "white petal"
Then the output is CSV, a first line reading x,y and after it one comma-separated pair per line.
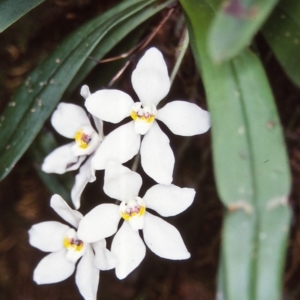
x,y
68,118
169,200
120,145
86,174
109,105
87,276
184,118
163,238
61,207
53,268
129,250
136,222
157,157
150,79
85,91
62,160
120,182
104,259
142,127
99,126
47,236
99,223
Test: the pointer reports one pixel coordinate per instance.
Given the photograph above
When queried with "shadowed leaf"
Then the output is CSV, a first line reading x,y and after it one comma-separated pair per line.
x,y
12,10
234,26
250,163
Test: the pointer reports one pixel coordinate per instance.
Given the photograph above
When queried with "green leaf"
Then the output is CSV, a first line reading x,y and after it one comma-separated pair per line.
x,y
271,174
113,37
38,96
250,162
282,32
234,26
12,10
221,281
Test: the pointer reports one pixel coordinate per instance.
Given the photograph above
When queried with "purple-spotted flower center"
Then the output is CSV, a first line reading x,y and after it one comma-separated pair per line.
x,y
86,141
74,246
143,117
133,211
82,139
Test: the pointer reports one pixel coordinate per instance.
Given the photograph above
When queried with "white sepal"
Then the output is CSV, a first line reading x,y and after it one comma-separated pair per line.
x,y
150,79
157,157
68,118
104,259
87,276
53,268
60,206
86,174
120,182
99,223
163,238
120,145
129,250
85,91
184,118
109,105
62,160
169,200
47,236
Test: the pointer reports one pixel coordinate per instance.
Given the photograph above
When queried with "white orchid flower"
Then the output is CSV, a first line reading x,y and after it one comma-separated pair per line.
x,y
162,238
71,121
66,249
151,82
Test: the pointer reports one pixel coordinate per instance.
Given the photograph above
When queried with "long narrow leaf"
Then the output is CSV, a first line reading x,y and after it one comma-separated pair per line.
x,y
282,32
250,164
231,154
234,26
12,10
270,173
114,36
37,97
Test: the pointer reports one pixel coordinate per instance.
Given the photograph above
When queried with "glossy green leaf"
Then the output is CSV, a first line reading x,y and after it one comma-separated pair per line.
x,y
271,176
38,96
282,32
115,36
250,162
234,26
12,10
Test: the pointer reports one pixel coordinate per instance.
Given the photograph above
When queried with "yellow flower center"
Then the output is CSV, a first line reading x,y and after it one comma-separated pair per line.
x,y
133,212
144,116
82,139
132,209
74,244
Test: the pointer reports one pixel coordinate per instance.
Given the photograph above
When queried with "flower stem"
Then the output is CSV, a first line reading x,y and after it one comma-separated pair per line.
x,y
184,42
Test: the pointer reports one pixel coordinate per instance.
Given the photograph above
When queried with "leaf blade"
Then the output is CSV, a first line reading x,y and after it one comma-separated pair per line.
x,y
38,96
240,87
11,11
282,33
234,26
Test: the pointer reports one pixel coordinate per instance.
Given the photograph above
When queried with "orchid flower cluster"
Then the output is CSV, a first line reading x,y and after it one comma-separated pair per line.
x,y
83,240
